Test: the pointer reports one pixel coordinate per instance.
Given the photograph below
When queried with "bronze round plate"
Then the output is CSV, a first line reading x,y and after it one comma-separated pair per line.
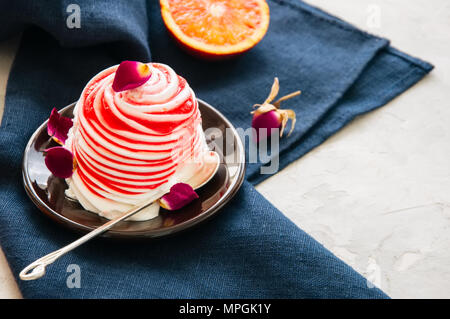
x,y
47,191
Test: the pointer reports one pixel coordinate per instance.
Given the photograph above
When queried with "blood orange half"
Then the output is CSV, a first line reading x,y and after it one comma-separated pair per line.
x,y
216,28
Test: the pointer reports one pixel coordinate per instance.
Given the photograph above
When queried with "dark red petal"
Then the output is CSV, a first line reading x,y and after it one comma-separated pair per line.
x,y
58,126
179,196
59,161
130,75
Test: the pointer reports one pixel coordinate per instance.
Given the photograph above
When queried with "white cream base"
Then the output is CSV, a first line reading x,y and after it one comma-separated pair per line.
x,y
110,208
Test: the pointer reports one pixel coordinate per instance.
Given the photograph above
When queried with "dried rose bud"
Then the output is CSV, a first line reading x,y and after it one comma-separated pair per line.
x,y
60,161
58,126
179,196
130,75
268,117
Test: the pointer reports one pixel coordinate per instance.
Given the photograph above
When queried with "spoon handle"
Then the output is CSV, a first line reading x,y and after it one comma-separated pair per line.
x,y
36,269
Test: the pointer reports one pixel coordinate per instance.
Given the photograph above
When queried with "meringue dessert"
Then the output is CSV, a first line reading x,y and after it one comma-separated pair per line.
x,y
133,140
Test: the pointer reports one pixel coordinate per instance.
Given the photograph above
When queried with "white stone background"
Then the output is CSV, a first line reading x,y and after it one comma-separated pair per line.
x,y
377,194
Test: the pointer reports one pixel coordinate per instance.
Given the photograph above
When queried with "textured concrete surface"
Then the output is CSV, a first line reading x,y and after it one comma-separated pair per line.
x,y
8,286
377,193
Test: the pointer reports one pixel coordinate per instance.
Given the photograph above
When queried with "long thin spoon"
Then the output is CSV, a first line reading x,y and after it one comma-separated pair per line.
x,y
36,269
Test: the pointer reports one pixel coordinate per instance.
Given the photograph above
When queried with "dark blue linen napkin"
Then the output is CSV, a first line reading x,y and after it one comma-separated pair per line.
x,y
250,250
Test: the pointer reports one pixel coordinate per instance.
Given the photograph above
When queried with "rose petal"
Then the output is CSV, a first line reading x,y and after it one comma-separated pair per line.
x,y
59,161
179,196
130,75
58,126
265,124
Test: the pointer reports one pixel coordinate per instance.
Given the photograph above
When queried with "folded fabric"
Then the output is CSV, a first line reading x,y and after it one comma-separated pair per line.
x,y
250,250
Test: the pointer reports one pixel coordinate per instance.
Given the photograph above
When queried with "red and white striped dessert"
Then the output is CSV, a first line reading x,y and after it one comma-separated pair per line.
x,y
132,146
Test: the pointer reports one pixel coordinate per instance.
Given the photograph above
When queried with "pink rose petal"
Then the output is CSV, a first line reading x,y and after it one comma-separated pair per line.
x,y
265,124
59,161
179,196
58,126
130,75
